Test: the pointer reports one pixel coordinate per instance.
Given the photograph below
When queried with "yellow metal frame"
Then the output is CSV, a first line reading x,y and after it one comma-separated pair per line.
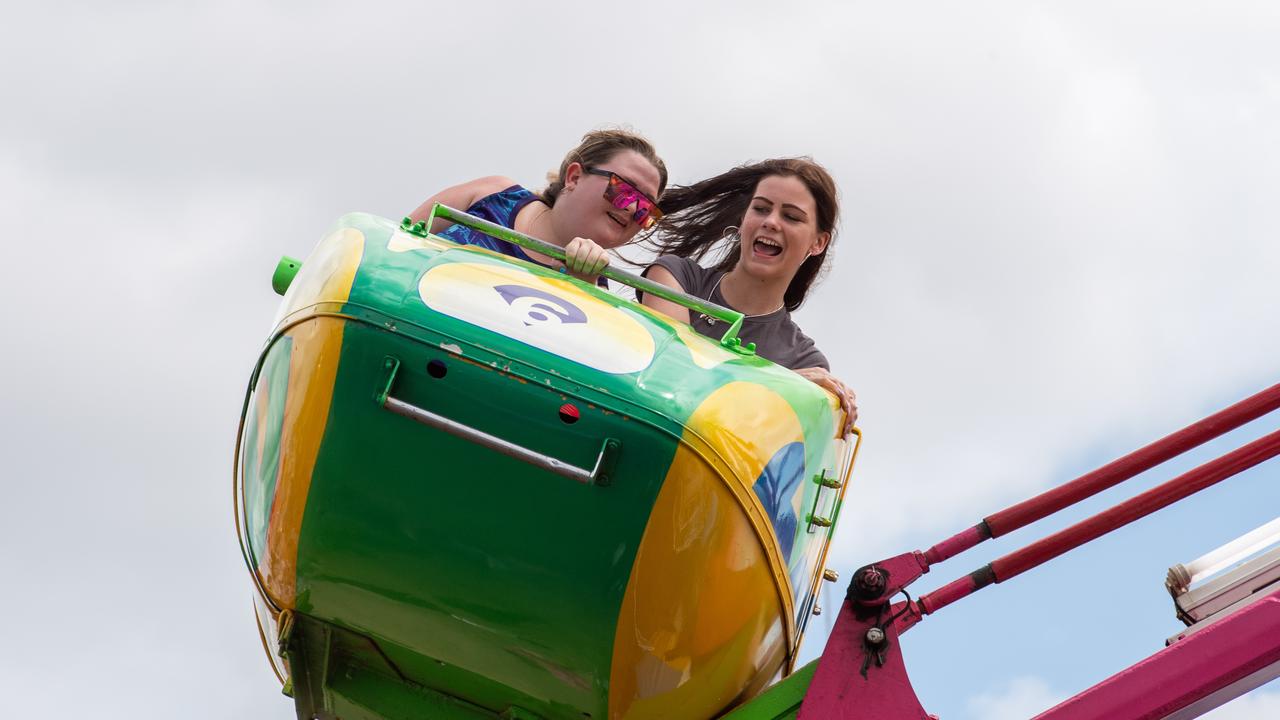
x,y
826,545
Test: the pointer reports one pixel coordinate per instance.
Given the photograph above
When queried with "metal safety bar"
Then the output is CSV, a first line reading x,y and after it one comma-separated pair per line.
x,y
600,473
696,304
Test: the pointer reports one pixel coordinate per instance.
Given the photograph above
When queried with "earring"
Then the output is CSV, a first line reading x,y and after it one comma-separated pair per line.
x,y
730,233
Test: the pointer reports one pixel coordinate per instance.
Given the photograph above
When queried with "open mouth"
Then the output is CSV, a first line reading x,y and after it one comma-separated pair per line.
x,y
767,248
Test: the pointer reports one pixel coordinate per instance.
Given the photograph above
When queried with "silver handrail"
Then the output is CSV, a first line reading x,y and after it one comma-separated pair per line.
x,y
600,473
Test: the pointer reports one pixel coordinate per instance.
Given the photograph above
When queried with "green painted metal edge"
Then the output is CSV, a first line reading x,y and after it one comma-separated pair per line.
x,y
344,675
781,701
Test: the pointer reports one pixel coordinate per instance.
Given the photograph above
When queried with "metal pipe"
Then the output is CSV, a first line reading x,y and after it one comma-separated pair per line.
x,y
497,444
1109,475
1048,548
958,543
1136,462
1185,485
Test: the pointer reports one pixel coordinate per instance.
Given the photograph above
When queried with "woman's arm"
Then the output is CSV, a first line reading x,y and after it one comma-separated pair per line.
x,y
848,400
460,197
663,276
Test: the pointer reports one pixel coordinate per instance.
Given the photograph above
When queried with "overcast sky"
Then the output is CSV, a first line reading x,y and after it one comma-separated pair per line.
x,y
1061,240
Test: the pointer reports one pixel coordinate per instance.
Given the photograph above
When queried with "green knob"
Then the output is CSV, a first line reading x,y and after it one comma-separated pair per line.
x,y
286,269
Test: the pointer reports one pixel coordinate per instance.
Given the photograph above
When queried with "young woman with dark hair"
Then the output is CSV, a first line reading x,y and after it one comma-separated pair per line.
x,y
775,221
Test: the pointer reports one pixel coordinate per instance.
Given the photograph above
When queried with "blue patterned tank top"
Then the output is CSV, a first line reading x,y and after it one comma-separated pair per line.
x,y
501,208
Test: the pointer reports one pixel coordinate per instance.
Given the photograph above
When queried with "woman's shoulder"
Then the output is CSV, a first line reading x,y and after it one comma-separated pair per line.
x,y
501,190
489,185
695,279
464,196
779,339
802,351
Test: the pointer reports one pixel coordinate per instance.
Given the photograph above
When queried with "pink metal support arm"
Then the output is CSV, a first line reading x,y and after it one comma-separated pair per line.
x,y
1109,475
1195,674
1161,496
861,673
1117,471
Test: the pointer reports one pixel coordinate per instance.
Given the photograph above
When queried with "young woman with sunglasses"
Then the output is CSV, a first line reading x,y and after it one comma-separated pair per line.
x,y
775,221
605,191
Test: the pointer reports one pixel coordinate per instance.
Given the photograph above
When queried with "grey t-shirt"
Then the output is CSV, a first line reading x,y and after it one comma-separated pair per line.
x,y
777,338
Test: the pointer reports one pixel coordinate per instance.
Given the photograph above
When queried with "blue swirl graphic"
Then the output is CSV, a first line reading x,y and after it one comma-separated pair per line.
x,y
776,487
540,306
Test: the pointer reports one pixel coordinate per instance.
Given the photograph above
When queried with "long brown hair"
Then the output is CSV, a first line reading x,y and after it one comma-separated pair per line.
x,y
600,146
698,215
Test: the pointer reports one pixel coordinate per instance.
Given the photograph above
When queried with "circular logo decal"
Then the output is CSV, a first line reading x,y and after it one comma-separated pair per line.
x,y
548,313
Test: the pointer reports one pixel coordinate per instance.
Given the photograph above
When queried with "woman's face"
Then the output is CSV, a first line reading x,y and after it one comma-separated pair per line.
x,y
582,210
780,230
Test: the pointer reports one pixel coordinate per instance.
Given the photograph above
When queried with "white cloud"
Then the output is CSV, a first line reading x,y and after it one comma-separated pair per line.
x,y
1059,235
1061,250
1021,698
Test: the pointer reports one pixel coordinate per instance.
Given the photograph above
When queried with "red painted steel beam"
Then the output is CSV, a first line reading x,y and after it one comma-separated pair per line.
x,y
1045,549
1160,496
1136,462
958,543
1107,476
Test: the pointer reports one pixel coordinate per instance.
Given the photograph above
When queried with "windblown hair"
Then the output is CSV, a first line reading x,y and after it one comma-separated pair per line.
x,y
599,146
698,216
